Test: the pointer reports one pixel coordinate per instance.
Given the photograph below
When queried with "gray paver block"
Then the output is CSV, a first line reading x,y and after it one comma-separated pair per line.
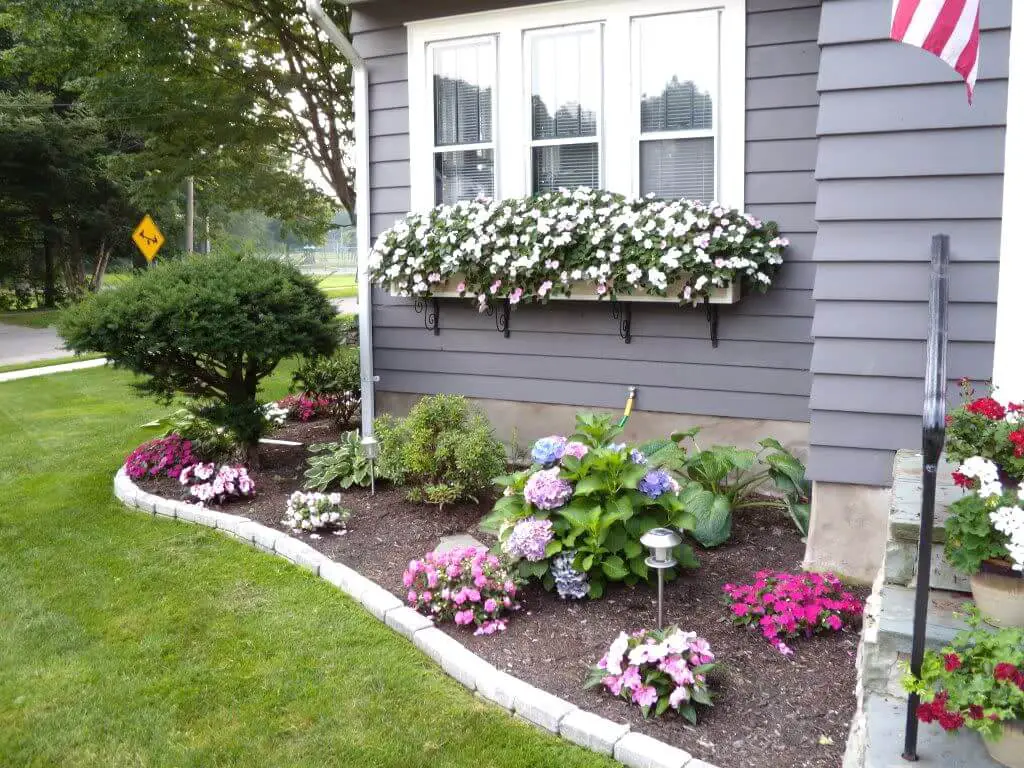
x,y
186,512
896,619
299,553
541,707
499,687
146,501
247,530
639,751
407,621
231,524
204,516
459,541
167,507
592,731
378,600
265,537
344,578
454,658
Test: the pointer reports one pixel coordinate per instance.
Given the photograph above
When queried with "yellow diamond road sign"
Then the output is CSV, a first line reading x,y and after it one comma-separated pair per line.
x,y
148,237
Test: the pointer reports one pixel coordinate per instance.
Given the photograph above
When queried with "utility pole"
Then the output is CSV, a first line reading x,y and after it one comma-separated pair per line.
x,y
190,214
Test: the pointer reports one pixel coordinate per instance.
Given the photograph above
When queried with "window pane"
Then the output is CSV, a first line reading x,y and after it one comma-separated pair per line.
x,y
565,165
463,93
566,94
463,175
678,71
675,168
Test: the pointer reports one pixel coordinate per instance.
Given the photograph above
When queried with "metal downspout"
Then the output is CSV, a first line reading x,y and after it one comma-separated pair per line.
x,y
360,110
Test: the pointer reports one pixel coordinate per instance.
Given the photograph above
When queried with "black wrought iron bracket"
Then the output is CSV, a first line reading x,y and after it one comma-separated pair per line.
x,y
711,310
501,319
431,314
623,312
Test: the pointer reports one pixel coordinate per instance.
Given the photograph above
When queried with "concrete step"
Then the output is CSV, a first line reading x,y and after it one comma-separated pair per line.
x,y
905,525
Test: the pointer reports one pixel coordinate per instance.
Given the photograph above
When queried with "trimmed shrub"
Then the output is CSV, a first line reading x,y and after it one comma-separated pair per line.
x,y
445,450
334,375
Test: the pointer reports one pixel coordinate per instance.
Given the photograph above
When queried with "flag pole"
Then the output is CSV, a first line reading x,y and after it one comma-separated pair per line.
x,y
933,436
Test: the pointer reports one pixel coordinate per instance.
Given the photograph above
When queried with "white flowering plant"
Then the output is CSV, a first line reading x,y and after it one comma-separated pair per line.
x,y
550,245
312,511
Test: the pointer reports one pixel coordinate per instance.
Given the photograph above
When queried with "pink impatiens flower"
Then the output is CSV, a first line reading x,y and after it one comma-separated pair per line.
x,y
645,695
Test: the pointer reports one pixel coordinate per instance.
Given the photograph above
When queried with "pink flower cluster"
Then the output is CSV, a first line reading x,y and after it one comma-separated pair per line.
x,y
207,483
467,586
306,407
164,456
657,670
787,605
546,490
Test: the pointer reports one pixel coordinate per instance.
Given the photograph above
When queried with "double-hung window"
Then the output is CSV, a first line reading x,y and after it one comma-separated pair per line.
x,y
635,96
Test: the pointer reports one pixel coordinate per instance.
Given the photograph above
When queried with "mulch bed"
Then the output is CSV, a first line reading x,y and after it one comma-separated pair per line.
x,y
769,710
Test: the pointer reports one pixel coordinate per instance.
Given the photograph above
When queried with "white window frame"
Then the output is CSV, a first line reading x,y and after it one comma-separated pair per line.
x,y
493,143
618,127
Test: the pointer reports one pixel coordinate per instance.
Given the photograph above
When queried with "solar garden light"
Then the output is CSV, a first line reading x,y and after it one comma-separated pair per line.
x,y
371,449
661,542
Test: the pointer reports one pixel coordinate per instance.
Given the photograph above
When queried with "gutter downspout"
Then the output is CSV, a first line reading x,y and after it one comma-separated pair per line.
x,y
360,110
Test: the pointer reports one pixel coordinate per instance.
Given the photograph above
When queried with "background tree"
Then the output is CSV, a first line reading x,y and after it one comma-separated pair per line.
x,y
211,327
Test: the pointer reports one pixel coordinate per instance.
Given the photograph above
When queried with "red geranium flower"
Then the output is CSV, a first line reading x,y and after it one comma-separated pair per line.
x,y
1005,671
962,480
1017,438
950,721
953,662
987,407
975,712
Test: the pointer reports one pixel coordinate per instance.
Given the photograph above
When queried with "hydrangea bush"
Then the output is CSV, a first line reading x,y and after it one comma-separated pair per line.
x,y
467,586
657,670
987,523
312,511
598,498
163,457
976,682
207,483
588,240
788,605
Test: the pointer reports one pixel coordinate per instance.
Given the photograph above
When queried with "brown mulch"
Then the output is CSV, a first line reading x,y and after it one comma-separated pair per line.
x,y
769,710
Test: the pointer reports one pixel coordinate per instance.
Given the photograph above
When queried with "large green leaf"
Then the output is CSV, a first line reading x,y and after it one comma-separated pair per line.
x,y
712,516
528,569
614,568
614,538
800,512
684,434
589,485
633,474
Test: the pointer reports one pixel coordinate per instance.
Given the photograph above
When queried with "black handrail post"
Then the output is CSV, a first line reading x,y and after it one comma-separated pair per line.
x,y
933,436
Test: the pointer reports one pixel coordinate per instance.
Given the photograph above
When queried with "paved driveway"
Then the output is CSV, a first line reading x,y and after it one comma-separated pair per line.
x,y
23,345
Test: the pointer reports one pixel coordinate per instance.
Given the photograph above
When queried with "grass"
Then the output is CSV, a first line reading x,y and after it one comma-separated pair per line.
x,y
30,318
339,286
129,640
46,363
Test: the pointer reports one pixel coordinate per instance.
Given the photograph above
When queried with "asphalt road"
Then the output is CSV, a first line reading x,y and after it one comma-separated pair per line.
x,y
23,345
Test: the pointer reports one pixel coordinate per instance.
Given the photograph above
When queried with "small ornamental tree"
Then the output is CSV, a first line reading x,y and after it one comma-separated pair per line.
x,y
211,327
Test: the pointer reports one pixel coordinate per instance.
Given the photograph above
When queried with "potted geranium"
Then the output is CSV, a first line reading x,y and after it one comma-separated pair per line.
x,y
977,682
985,529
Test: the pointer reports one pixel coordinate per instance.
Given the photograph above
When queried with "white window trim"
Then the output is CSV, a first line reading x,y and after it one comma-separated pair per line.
x,y
618,129
429,80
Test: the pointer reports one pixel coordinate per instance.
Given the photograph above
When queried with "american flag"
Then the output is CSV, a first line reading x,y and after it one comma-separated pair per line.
x,y
946,28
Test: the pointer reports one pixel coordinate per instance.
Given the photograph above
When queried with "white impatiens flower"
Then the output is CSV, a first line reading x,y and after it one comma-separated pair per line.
x,y
1010,521
616,652
987,474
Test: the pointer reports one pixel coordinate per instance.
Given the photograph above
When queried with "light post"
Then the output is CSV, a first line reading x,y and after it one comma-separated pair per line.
x,y
371,449
661,542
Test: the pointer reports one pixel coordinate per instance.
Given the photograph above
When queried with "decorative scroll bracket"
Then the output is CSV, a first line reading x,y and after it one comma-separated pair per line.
x,y
431,314
623,312
711,310
502,317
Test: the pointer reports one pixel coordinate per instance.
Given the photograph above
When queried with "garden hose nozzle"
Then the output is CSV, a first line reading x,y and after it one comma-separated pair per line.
x,y
631,396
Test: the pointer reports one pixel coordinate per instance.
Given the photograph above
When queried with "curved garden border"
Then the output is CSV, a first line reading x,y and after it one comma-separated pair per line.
x,y
487,681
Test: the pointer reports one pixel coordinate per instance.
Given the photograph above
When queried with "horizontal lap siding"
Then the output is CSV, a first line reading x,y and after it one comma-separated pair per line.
x,y
570,352
901,156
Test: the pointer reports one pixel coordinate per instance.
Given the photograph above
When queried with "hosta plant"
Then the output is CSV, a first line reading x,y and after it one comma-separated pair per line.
x,y
207,482
313,511
340,465
582,240
722,480
599,498
783,606
658,670
163,457
210,440
468,586
977,681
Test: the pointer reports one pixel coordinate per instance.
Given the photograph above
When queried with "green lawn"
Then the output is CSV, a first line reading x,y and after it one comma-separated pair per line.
x,y
46,363
339,286
128,640
31,318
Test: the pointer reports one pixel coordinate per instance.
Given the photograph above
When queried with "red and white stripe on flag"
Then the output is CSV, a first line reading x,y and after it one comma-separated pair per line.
x,y
946,28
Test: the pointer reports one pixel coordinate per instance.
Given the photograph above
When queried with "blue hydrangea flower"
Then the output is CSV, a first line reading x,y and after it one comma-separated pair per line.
x,y
617,447
656,482
637,457
548,450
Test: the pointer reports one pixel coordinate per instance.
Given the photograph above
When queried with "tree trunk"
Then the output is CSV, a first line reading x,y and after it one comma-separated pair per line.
x,y
100,271
49,271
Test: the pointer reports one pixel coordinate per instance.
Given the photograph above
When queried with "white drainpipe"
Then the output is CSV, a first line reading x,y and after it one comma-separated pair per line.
x,y
360,109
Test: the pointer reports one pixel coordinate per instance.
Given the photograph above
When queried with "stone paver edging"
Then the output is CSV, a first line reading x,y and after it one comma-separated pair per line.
x,y
521,699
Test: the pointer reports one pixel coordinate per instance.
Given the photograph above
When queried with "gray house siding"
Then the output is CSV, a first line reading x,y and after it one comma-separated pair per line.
x,y
901,156
570,352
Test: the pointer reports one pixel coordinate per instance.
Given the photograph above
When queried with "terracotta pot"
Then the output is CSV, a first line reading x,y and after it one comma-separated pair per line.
x,y
999,594
1009,750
